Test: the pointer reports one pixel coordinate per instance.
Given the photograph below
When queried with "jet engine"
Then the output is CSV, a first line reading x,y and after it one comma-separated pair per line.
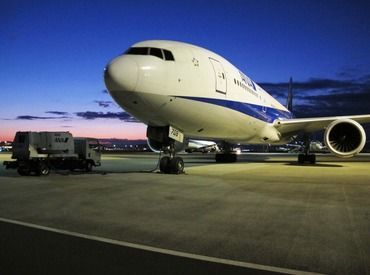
x,y
345,138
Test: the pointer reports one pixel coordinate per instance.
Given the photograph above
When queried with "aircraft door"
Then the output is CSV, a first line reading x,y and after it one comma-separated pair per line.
x,y
220,76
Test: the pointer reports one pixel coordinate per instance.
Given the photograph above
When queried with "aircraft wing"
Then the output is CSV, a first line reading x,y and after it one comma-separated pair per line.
x,y
289,127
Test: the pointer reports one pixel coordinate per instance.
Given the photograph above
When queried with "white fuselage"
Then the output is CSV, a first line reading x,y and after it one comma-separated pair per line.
x,y
199,92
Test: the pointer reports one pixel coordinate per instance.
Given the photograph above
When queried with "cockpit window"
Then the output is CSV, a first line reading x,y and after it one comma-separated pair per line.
x,y
138,51
160,53
168,55
156,52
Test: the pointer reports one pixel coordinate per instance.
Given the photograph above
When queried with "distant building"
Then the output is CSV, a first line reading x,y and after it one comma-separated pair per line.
x,y
125,145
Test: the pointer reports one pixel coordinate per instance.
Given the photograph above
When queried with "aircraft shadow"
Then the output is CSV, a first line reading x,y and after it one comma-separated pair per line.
x,y
314,165
293,163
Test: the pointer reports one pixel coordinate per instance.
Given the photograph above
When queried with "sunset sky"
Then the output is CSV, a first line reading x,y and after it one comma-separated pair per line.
x,y
52,55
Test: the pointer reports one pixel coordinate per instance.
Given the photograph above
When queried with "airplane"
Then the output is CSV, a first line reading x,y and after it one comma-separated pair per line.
x,y
189,146
183,91
203,146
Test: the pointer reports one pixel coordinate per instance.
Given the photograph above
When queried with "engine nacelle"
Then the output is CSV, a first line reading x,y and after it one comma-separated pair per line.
x,y
345,138
156,146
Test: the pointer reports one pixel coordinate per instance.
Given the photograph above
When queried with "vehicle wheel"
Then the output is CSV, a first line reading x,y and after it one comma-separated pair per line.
x,y
43,169
177,165
164,165
23,171
88,166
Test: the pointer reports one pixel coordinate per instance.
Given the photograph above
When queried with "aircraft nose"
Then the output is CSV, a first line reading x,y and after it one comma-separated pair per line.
x,y
121,74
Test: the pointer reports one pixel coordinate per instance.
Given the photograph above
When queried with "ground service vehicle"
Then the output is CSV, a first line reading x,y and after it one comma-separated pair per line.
x,y
38,152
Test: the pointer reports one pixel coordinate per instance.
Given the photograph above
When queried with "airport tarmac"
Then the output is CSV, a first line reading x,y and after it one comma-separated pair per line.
x,y
262,214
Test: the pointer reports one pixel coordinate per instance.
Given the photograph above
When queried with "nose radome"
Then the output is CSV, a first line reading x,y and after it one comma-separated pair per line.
x,y
121,74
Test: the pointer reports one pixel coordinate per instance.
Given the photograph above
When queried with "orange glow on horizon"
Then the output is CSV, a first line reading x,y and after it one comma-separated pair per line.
x,y
10,137
97,129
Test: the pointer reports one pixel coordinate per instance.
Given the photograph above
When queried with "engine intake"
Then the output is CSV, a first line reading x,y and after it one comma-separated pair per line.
x,y
345,138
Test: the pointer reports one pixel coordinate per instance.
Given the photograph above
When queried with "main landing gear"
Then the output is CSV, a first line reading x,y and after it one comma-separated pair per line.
x,y
306,157
227,155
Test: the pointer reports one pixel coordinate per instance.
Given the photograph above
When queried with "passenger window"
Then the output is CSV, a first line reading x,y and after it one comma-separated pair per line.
x,y
137,51
156,52
168,55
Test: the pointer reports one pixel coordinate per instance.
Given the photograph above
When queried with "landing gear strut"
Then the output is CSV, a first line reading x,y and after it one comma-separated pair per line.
x,y
306,157
171,164
227,155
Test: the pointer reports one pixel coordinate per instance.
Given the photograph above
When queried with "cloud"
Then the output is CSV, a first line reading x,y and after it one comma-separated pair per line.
x,y
90,115
27,117
316,84
325,97
348,73
57,113
60,115
336,103
104,104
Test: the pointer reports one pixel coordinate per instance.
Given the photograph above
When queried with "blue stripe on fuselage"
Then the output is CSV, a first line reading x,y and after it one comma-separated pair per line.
x,y
263,113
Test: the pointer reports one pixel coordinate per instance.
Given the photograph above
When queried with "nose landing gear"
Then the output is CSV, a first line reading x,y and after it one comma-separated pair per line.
x,y
160,140
173,165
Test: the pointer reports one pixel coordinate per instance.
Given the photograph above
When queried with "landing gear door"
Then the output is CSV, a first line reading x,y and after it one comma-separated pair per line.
x,y
220,76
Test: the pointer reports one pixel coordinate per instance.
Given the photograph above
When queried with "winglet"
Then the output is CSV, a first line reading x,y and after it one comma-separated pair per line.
x,y
289,100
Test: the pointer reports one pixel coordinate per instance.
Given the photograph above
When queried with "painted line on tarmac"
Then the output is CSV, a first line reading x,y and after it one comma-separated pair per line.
x,y
161,250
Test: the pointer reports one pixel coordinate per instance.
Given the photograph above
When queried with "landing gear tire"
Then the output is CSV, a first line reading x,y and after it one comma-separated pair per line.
x,y
164,165
171,166
226,158
177,165
303,158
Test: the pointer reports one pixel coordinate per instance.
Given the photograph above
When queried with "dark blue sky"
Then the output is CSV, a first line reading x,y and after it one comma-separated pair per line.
x,y
52,54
